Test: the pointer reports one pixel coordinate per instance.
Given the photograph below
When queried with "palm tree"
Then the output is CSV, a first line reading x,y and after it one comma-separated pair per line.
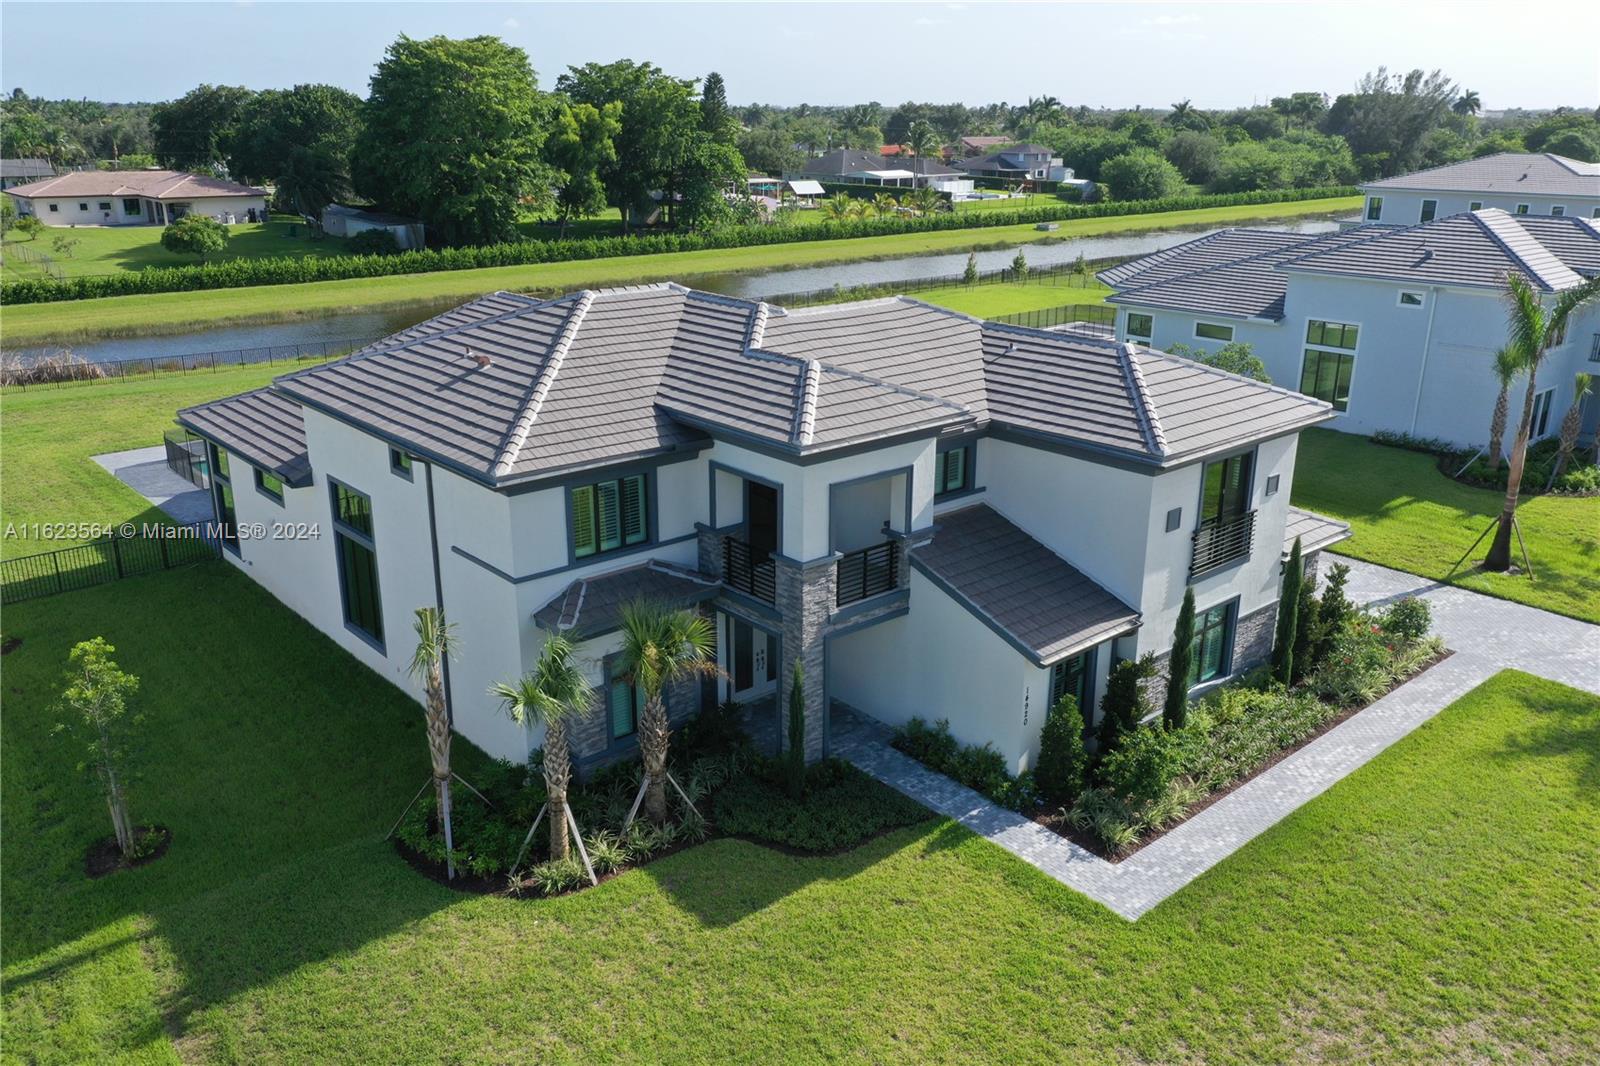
x,y
885,204
1467,103
1570,424
661,645
1533,331
840,206
555,692
1507,365
434,639
1180,113
921,138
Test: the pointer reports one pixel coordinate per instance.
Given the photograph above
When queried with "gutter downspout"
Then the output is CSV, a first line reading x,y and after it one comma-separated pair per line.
x,y
1427,345
438,596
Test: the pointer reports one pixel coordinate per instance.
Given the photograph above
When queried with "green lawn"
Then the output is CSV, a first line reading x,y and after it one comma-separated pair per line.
x,y
988,301
1407,515
177,312
113,249
1439,905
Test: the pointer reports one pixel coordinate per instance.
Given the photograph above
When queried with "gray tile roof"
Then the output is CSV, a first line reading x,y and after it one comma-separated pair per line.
x,y
508,389
1246,287
1314,530
1508,173
263,427
1575,241
1474,248
1214,249
848,162
1032,597
1197,409
591,606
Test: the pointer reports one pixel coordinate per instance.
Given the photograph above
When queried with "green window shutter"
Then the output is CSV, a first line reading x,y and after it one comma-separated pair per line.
x,y
635,528
955,469
607,518
583,538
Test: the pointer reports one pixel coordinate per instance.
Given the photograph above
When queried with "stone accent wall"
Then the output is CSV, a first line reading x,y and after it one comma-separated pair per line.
x,y
805,593
1252,646
1310,564
709,543
591,736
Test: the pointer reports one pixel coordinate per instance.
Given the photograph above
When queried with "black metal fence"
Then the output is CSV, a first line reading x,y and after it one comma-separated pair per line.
x,y
867,572
748,571
186,457
97,562
19,373
1092,320
1220,541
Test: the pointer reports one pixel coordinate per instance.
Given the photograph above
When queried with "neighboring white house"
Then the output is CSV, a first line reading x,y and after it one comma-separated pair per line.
x,y
136,198
932,515
1023,163
1395,327
1518,183
339,220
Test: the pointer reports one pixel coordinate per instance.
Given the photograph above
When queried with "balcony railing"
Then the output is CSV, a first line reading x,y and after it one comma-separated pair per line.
x,y
1220,541
868,572
747,570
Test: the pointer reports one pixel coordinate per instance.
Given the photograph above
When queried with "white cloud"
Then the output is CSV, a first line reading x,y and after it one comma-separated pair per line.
x,y
512,24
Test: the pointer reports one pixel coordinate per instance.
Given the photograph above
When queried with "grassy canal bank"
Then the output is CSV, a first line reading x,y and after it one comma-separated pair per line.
x,y
126,316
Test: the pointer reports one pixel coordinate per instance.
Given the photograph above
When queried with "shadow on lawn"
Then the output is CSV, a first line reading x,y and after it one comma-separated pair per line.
x,y
1567,723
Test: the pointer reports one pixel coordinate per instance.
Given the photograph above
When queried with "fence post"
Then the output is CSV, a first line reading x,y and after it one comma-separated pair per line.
x,y
55,557
163,542
116,554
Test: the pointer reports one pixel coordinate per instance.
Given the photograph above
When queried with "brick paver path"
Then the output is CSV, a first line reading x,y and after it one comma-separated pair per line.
x,y
1486,634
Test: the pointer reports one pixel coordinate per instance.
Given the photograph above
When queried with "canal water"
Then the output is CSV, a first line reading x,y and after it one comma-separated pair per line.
x,y
373,324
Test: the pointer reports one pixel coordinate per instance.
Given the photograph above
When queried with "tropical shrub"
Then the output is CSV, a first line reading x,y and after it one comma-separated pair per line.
x,y
373,242
1408,620
1125,703
1144,765
981,769
1063,759
840,808
237,273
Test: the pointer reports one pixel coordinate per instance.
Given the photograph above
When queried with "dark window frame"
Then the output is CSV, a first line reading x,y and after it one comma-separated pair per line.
x,y
345,533
1244,496
1228,627
55,207
275,495
1539,424
132,205
613,738
1428,212
1374,208
400,463
576,500
223,498
1150,325
1344,368
1059,673
1198,325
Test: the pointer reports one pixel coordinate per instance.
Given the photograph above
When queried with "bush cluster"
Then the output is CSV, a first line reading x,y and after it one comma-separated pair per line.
x,y
239,273
1581,476
981,769
839,808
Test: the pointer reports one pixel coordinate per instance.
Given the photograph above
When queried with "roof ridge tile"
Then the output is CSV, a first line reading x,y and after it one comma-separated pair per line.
x,y
1150,423
518,435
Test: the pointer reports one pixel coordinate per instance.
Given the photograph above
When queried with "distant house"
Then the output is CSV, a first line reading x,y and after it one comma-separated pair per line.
x,y
136,198
339,220
1518,183
1019,162
971,147
860,167
22,171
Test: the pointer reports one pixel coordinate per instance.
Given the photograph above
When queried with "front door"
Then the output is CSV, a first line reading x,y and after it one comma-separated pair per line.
x,y
753,655
761,519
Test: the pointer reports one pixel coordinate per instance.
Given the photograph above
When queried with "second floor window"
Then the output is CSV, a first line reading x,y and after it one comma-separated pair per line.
x,y
952,471
1141,326
1430,208
1225,491
610,515
1374,209
357,557
1211,331
1326,374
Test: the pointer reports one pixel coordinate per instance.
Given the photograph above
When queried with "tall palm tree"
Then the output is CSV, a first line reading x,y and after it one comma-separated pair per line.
x,y
434,639
1467,103
1532,331
921,138
661,645
1569,425
1507,365
555,692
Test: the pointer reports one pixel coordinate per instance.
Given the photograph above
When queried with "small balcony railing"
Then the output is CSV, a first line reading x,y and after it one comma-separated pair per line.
x,y
748,570
868,572
1219,542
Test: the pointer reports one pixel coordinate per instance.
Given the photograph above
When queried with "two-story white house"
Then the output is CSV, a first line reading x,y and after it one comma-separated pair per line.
x,y
931,514
1518,183
1396,327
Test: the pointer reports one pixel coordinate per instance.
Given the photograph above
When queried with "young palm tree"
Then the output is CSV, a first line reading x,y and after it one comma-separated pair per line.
x,y
1533,330
434,638
1507,365
840,206
553,694
661,645
1569,425
885,204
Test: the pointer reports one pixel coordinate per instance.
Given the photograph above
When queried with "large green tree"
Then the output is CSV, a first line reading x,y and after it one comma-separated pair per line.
x,y
454,134
1389,116
1142,174
299,139
582,141
715,118
196,131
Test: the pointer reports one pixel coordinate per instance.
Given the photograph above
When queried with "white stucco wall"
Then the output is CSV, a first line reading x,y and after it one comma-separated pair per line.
x,y
1402,207
68,212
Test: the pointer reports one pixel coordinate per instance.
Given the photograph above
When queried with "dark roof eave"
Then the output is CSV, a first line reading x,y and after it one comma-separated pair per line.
x,y
296,472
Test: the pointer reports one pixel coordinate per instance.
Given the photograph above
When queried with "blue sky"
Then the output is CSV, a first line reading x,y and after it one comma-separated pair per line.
x,y
1535,54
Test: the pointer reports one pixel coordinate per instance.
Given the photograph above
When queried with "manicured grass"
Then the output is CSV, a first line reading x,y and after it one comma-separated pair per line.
x,y
113,249
1407,515
175,312
50,434
1437,906
988,301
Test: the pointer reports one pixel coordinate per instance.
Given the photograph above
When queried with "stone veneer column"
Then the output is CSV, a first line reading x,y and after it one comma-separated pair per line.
x,y
709,542
804,600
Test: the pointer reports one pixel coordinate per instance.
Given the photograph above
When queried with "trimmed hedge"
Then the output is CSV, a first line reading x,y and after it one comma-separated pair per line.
x,y
240,273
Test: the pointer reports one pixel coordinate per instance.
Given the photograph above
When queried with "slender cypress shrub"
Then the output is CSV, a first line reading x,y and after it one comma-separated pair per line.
x,y
1063,758
970,275
1124,705
1175,712
1332,611
1288,618
795,757
1307,625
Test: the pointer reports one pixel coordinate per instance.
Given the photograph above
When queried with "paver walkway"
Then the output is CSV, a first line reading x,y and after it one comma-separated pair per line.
x,y
145,471
1487,635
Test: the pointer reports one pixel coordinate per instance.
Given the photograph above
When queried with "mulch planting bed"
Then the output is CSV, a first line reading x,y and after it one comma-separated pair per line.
x,y
104,857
